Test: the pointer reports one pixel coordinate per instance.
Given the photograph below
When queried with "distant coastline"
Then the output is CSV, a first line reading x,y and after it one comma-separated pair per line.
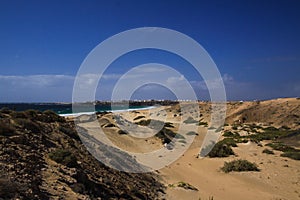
x,y
65,109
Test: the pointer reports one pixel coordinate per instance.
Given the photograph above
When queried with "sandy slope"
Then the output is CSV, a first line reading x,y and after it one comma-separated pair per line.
x,y
279,177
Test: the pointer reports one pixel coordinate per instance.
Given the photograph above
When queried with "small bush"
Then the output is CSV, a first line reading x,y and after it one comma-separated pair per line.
x,y
69,131
5,110
239,166
165,135
268,151
229,141
293,155
18,115
270,128
179,136
139,117
241,140
28,124
7,188
122,132
183,185
221,149
109,125
6,129
281,147
182,141
288,151
144,122
190,120
285,127
228,134
186,186
169,125
192,133
64,157
203,124
50,116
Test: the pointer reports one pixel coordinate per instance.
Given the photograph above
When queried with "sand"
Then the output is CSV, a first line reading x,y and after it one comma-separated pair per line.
x,y
278,178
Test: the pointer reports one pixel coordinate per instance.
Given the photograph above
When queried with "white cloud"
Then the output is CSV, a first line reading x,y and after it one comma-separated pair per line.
x,y
35,88
43,88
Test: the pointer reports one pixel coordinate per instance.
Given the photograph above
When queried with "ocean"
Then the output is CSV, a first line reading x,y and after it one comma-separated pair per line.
x,y
66,109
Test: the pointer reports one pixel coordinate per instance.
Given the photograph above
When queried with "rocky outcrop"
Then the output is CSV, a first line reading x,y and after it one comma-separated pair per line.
x,y
42,157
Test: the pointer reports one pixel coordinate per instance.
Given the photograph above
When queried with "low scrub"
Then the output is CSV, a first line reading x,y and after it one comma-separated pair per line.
x,y
222,148
169,124
6,129
50,116
64,157
192,133
166,135
228,134
239,166
28,124
190,120
288,151
122,132
295,155
139,117
69,131
202,124
184,185
268,151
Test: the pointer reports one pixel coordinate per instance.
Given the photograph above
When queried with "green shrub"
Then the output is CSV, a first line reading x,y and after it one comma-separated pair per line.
x,y
6,128
165,135
28,124
268,151
139,117
241,140
219,129
182,141
70,131
186,186
18,115
64,157
281,147
270,128
5,110
269,134
179,136
288,151
50,116
211,128
109,125
221,149
8,188
190,120
285,127
169,125
122,132
192,133
239,166
32,114
228,134
293,155
147,122
202,124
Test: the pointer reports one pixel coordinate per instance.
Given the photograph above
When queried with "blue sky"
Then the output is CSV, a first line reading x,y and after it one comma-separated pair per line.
x,y
255,44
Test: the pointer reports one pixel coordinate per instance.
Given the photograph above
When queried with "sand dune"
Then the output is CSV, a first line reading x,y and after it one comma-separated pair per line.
x,y
279,177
